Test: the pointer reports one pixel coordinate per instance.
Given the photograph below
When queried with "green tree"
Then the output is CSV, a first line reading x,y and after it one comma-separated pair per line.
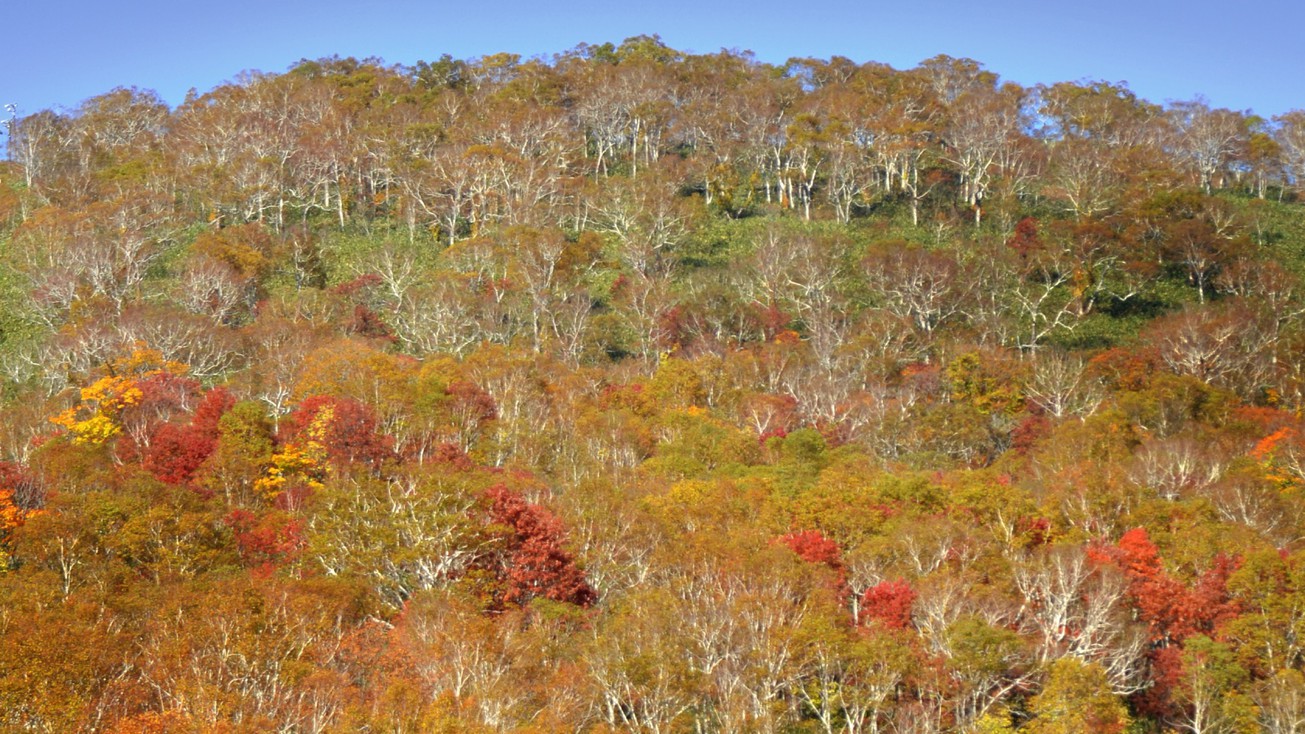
x,y
244,451
1077,700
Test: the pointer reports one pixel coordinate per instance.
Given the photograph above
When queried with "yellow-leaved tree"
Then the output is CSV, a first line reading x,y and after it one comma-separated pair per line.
x,y
96,417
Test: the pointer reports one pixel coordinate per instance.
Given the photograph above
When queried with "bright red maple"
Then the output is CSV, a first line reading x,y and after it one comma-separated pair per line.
x,y
888,604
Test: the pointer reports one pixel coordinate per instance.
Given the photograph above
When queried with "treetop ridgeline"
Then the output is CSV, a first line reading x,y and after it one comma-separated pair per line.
x,y
637,390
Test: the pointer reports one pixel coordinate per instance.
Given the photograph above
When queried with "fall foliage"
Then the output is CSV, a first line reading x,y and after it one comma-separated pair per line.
x,y
640,390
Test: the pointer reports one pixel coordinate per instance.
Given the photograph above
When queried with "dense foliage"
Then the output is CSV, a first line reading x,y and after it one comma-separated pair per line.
x,y
635,390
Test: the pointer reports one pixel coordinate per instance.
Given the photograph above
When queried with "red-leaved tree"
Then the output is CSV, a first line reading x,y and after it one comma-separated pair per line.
x,y
534,563
1172,611
813,547
349,436
177,451
888,604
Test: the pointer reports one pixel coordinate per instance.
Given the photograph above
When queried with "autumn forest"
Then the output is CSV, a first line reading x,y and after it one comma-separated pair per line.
x,y
635,390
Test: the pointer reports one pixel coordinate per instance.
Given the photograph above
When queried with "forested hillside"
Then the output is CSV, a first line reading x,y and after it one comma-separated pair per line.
x,y
641,391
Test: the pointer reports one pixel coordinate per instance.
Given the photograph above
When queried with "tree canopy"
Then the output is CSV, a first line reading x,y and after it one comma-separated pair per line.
x,y
640,390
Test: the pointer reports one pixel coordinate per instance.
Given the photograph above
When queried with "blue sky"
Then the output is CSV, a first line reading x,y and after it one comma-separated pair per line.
x,y
55,53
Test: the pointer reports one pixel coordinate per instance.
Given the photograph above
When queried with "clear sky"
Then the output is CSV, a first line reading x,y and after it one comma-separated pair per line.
x,y
56,53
